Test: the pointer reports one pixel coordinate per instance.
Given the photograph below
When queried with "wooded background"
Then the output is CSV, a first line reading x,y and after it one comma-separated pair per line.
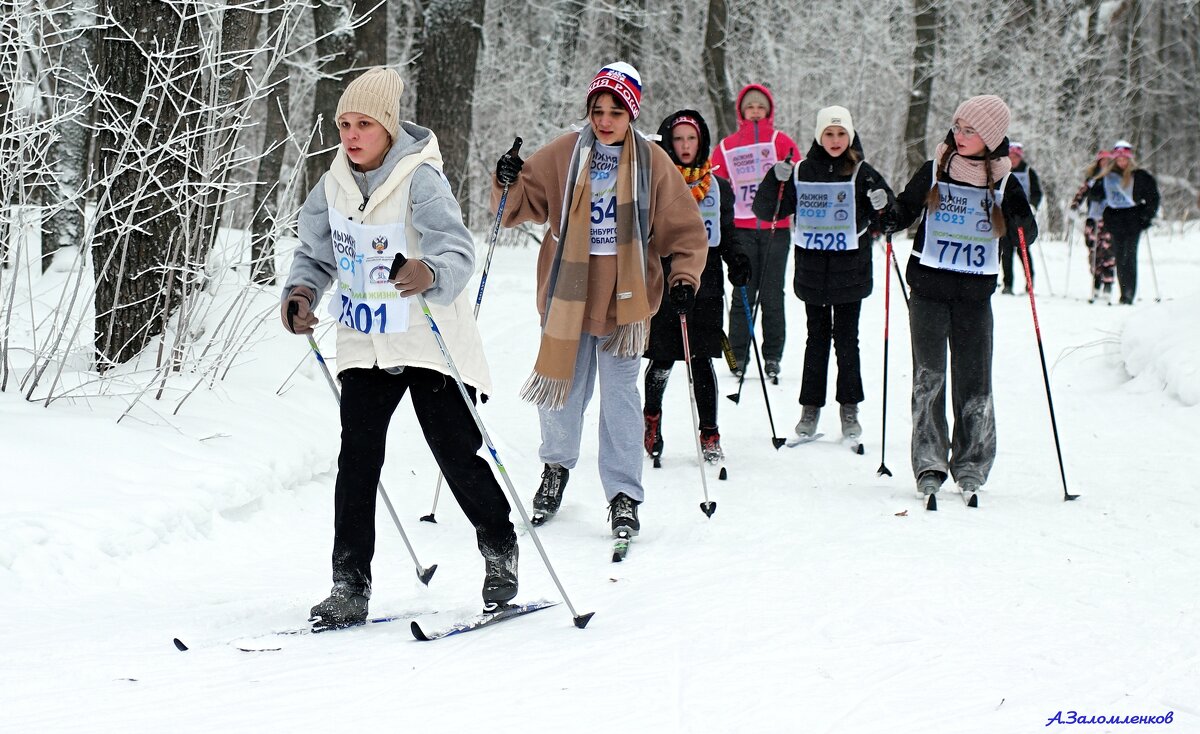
x,y
131,129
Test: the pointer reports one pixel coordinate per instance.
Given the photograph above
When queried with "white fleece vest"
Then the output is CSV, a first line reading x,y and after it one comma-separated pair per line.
x,y
416,347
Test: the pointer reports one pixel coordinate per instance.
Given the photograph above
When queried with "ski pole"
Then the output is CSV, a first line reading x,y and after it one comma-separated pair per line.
x,y
762,266
775,440
896,267
487,266
1045,274
707,507
1070,247
1153,270
1037,330
422,573
581,620
887,310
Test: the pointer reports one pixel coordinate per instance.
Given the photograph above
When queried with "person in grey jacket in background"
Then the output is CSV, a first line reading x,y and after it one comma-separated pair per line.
x,y
385,194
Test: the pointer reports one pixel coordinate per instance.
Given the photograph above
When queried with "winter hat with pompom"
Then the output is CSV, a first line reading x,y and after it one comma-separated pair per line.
x,y
987,115
375,93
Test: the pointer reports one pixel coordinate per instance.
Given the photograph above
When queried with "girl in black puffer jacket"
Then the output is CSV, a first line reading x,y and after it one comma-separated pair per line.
x,y
835,196
684,135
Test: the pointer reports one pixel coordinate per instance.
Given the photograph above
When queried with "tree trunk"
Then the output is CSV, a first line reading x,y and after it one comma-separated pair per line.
x,y
446,82
144,146
921,89
335,46
266,192
631,26
716,76
70,105
371,37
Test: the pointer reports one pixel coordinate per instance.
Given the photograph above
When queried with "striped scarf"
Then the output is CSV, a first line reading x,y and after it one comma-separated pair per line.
x,y
550,382
698,179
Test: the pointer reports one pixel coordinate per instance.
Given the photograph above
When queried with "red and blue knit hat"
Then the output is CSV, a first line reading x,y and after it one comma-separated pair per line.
x,y
623,81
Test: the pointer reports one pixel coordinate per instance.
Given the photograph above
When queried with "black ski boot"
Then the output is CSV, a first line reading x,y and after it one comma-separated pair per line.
x,y
548,497
499,574
343,608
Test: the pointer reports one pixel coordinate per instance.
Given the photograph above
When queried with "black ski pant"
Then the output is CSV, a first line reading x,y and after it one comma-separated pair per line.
x,y
369,397
840,324
1008,249
1125,248
706,388
966,327
768,265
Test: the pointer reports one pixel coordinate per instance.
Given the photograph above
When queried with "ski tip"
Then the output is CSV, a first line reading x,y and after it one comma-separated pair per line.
x,y
973,500
426,574
708,508
429,518
883,471
858,449
618,556
582,620
179,644
657,463
723,475
777,442
931,503
417,632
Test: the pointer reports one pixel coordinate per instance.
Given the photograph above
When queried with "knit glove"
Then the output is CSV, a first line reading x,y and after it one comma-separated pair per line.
x,y
413,277
739,269
508,168
782,170
878,198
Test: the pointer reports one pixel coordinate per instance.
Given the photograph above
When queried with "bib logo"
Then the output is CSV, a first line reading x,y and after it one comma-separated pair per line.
x,y
379,274
379,244
841,215
983,225
841,197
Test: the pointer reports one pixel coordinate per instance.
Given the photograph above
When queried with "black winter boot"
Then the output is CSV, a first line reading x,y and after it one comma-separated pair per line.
x,y
343,608
499,573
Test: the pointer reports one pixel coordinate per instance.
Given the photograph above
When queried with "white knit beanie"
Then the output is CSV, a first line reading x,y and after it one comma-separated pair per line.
x,y
834,115
375,93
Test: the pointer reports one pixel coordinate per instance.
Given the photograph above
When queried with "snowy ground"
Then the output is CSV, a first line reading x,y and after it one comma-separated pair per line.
x,y
818,598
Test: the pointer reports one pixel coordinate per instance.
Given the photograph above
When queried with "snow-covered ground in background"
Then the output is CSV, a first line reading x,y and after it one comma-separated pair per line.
x,y
818,598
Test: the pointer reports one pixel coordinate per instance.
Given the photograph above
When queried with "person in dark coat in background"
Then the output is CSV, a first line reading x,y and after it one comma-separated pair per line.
x,y
966,202
1032,187
835,197
685,137
1130,197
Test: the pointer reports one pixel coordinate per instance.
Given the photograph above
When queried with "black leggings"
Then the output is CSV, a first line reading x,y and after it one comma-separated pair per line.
x,y
706,388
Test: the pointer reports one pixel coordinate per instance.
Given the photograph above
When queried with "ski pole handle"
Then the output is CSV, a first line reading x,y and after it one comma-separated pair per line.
x,y
293,309
397,263
516,146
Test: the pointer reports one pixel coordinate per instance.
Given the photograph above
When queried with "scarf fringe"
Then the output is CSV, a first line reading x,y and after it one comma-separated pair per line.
x,y
629,340
546,392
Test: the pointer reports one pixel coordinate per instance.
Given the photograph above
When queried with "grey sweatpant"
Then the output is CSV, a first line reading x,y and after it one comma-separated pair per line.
x,y
620,454
966,326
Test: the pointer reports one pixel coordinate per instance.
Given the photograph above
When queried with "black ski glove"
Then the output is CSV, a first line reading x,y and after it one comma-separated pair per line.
x,y
889,220
739,269
683,297
508,168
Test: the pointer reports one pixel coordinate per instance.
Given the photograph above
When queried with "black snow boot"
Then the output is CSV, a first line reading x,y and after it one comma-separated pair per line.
x,y
499,573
